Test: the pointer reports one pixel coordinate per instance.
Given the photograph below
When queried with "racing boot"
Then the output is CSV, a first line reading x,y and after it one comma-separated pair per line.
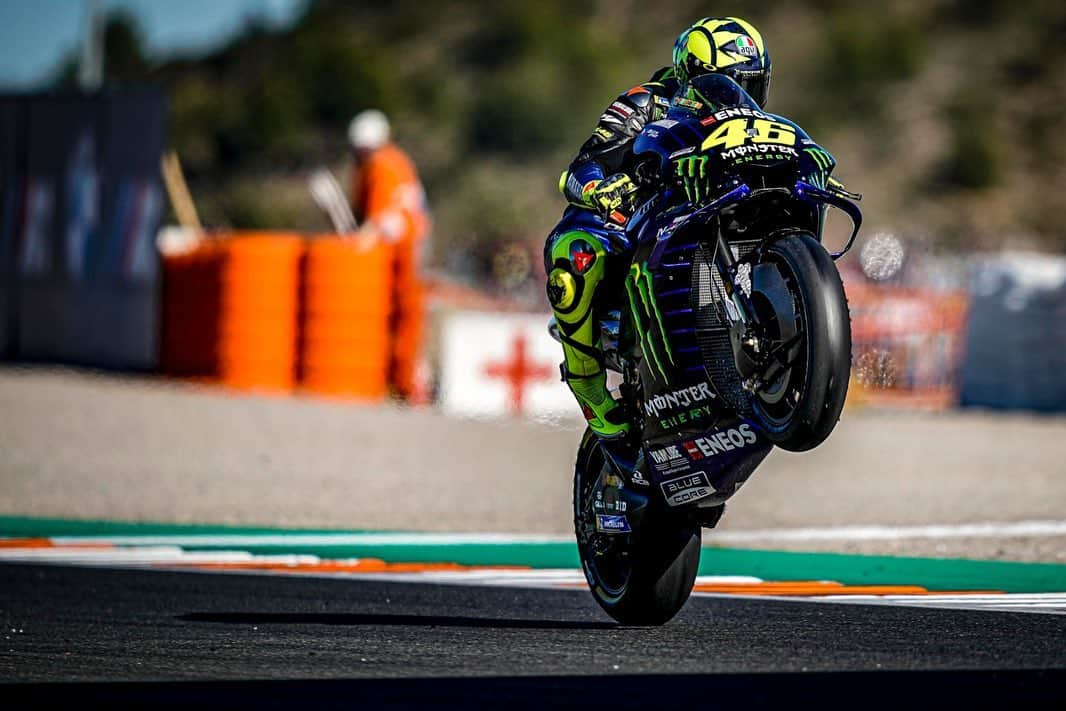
x,y
577,265
605,415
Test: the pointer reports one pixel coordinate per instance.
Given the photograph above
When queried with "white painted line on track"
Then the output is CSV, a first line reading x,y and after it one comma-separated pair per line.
x,y
174,557
554,579
1015,529
145,556
192,540
1052,603
989,529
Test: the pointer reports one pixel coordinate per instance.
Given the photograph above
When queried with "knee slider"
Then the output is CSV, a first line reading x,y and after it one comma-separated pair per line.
x,y
564,288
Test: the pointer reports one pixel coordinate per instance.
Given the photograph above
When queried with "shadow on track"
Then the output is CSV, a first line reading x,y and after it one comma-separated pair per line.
x,y
313,618
934,690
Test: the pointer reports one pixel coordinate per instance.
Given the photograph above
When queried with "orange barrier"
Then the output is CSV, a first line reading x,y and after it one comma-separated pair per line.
x,y
192,285
279,312
230,310
260,289
345,304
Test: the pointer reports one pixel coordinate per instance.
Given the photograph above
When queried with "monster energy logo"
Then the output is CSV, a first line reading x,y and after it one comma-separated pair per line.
x,y
824,161
684,397
644,308
822,158
691,169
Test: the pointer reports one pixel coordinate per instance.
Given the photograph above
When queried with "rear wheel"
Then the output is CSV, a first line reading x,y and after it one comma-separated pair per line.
x,y
802,390
639,578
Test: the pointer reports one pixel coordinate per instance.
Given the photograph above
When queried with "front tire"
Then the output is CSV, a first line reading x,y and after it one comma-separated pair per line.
x,y
644,577
800,409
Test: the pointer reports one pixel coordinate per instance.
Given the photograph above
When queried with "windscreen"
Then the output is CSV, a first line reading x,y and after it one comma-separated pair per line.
x,y
709,93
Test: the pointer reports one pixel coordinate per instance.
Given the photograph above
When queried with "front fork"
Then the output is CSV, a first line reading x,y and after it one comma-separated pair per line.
x,y
743,320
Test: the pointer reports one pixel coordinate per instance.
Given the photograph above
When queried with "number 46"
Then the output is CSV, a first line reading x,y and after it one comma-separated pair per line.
x,y
737,132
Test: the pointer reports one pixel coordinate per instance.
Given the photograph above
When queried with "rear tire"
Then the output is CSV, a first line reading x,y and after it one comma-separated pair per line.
x,y
646,576
821,360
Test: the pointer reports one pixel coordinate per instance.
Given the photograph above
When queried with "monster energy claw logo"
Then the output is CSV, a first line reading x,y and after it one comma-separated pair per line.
x,y
645,309
691,170
692,166
823,161
821,157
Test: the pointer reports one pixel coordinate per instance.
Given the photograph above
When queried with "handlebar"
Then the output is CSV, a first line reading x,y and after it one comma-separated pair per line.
x,y
802,190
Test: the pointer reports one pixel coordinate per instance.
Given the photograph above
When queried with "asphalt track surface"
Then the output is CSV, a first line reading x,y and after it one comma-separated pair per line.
x,y
96,636
86,447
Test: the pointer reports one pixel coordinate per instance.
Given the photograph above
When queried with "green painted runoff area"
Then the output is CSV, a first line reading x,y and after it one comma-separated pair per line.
x,y
931,573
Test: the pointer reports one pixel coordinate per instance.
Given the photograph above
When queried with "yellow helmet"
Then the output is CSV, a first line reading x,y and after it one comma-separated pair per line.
x,y
726,45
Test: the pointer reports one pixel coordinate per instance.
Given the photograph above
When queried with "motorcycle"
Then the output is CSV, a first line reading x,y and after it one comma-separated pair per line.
x,y
731,337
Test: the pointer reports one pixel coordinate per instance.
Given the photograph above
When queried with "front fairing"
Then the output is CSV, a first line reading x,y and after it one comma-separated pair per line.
x,y
700,443
721,142
715,129
697,448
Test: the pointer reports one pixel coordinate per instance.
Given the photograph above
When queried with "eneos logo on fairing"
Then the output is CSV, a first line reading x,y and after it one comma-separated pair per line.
x,y
724,441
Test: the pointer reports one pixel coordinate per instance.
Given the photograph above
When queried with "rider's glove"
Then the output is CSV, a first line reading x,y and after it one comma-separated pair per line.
x,y
613,197
692,174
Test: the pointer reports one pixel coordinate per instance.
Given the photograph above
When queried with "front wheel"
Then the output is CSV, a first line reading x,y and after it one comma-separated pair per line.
x,y
643,577
801,396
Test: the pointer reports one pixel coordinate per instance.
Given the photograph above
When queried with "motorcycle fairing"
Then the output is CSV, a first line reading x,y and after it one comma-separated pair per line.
x,y
726,452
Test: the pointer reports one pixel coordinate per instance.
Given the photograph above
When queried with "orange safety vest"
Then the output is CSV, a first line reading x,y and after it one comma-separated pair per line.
x,y
387,193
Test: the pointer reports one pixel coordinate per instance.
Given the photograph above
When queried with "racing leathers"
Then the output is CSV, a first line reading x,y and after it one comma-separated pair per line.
x,y
584,262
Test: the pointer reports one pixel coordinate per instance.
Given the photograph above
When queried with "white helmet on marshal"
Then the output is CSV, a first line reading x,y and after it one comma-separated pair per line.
x,y
368,130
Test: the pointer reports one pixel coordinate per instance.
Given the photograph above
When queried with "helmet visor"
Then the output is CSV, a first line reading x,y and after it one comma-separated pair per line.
x,y
756,84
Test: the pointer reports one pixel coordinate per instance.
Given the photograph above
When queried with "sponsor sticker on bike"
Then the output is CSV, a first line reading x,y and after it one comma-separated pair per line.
x,y
719,442
738,112
638,478
665,403
607,523
686,418
669,460
681,407
750,152
686,489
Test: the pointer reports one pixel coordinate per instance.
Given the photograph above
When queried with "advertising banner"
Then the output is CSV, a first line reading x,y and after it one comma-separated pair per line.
x,y
82,200
502,365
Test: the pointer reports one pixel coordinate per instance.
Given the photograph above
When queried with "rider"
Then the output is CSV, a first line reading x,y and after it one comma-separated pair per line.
x,y
598,188
389,203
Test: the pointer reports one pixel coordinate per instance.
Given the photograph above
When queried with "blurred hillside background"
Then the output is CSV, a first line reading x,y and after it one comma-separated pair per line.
x,y
946,114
